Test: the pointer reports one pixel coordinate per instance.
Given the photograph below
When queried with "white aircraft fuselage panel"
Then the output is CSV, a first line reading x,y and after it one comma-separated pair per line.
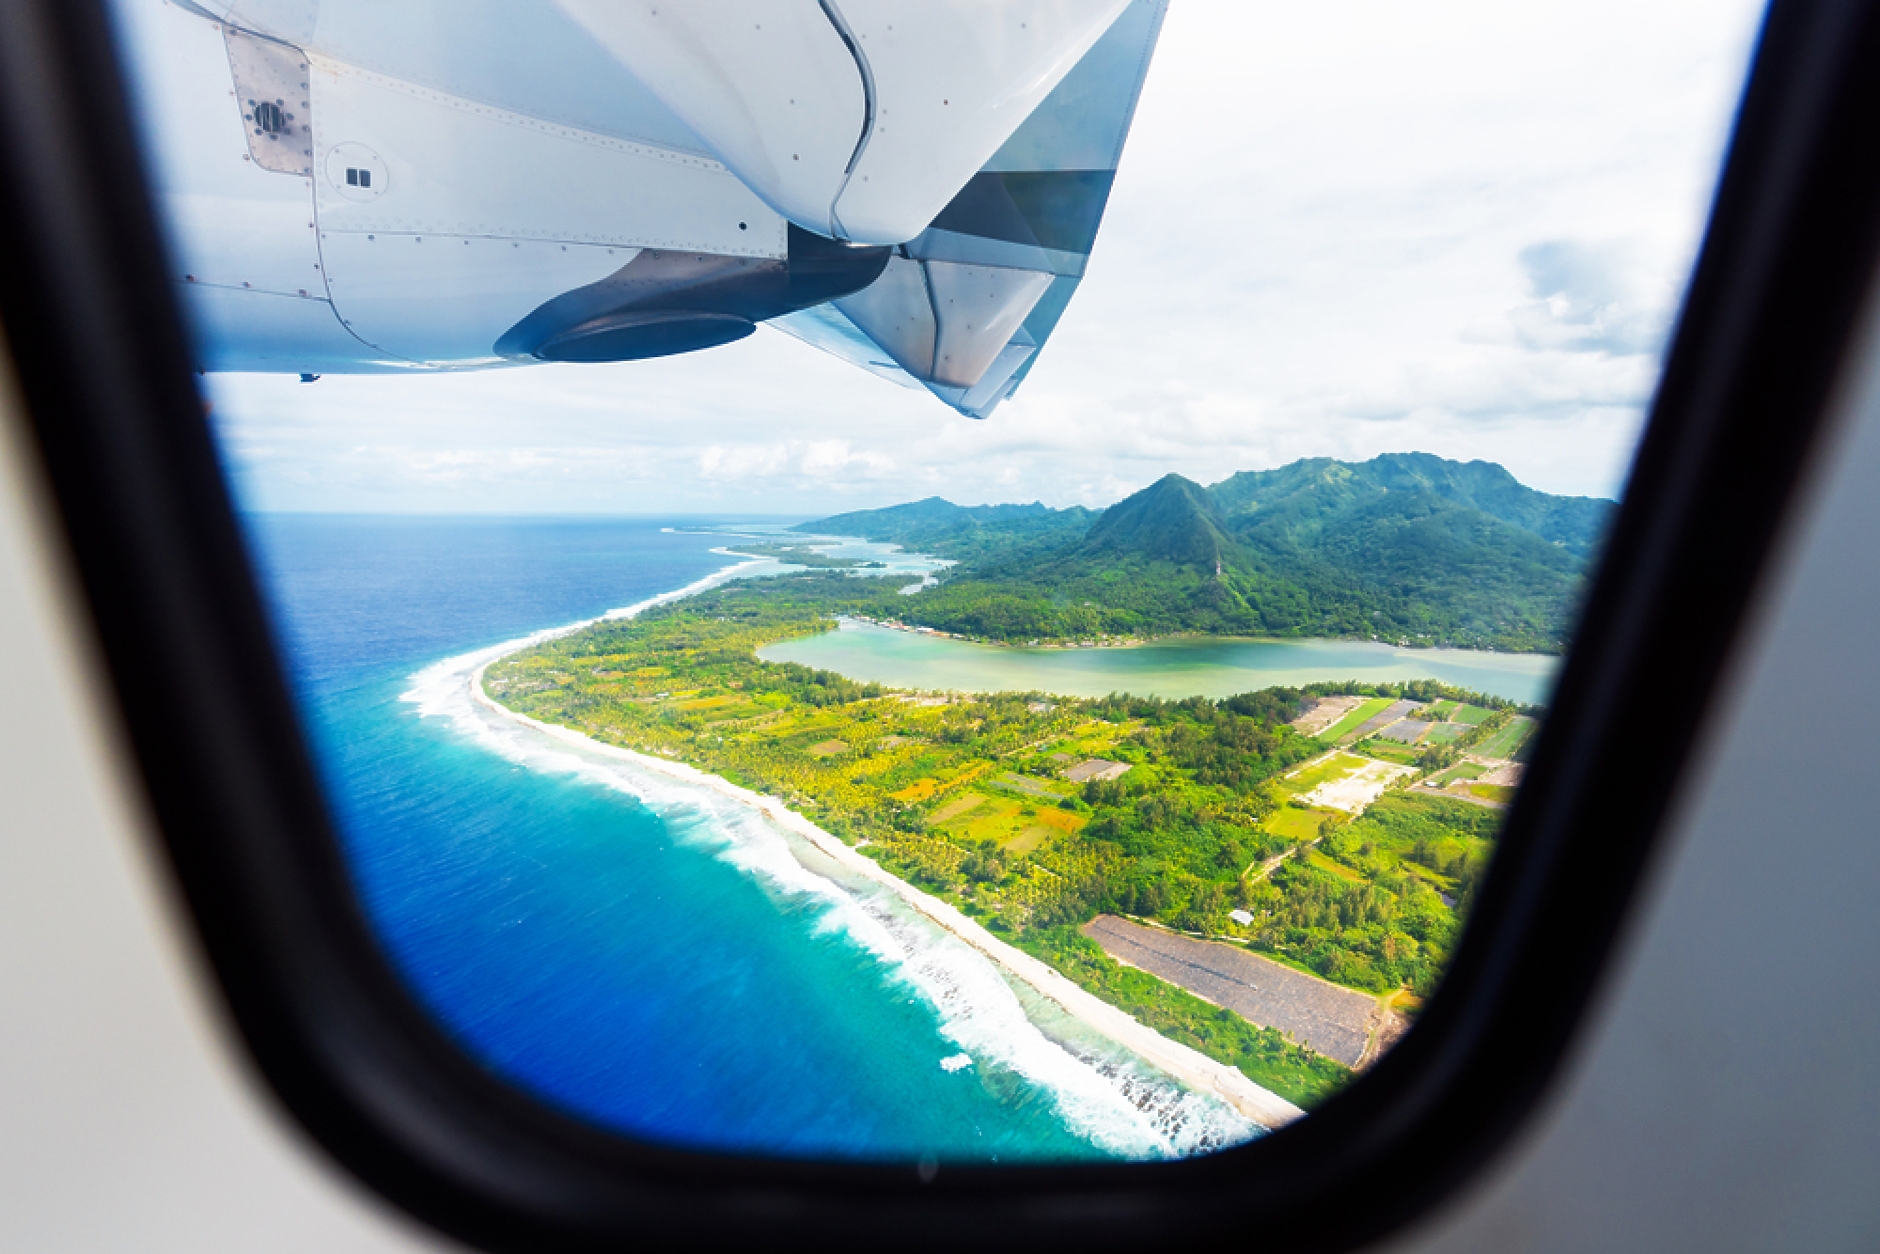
x,y
243,241
238,330
443,222
418,226
231,223
442,300
455,166
525,56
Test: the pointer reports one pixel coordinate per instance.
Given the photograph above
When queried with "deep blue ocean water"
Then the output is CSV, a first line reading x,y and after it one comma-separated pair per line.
x,y
657,964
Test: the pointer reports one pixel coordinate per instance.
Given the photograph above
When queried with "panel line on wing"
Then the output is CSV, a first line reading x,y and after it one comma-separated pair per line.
x,y
854,46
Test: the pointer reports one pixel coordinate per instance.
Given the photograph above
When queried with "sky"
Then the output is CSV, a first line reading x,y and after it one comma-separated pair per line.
x,y
1339,229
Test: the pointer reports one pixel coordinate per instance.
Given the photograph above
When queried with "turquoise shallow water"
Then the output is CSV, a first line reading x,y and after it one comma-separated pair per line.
x,y
1185,667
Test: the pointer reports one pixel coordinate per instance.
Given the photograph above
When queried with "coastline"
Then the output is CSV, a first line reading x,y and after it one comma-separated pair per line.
x,y
1188,1066
1137,642
1171,667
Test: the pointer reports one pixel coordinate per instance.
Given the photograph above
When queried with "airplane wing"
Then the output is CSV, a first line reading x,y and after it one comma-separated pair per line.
x,y
913,188
963,308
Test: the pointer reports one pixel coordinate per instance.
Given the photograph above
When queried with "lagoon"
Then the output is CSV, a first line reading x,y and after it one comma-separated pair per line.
x,y
1187,666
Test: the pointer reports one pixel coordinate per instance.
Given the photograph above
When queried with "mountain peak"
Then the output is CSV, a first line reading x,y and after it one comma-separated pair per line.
x,y
1172,520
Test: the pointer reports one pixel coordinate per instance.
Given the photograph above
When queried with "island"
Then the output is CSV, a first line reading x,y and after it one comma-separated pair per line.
x,y
1265,886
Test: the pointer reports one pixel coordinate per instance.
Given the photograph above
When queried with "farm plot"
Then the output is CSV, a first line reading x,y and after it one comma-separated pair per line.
x,y
1292,823
1356,718
1099,745
1379,747
1319,862
1385,717
1332,766
1336,1022
1504,744
1030,787
1406,731
1015,826
1470,714
1353,792
1465,771
1324,712
956,807
713,703
1508,774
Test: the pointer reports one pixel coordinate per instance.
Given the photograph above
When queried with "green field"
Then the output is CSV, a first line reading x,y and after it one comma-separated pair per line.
x,y
1319,862
1443,733
1292,823
1332,767
1352,721
1440,710
1016,826
1493,792
1390,751
1504,743
1470,714
1031,787
1468,770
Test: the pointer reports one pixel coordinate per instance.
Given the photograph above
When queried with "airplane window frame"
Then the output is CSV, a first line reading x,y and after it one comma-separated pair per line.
x,y
103,359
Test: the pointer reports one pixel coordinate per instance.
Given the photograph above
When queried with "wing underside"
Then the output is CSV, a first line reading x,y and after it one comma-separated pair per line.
x,y
602,183
964,308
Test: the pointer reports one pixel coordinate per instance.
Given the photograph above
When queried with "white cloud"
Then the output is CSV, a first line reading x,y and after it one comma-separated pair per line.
x,y
1339,230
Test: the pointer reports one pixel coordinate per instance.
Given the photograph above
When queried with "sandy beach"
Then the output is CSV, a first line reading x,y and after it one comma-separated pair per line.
x,y
1190,1067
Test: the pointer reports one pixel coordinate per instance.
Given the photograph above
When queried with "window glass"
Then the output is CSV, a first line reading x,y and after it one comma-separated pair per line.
x,y
836,624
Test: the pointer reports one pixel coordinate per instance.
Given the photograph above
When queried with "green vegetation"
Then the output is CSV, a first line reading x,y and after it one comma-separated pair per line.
x,y
1468,770
804,555
967,797
1295,825
1391,751
1427,690
1406,547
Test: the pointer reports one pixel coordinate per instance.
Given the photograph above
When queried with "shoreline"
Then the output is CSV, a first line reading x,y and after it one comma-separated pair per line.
x,y
1138,642
1186,1065
1520,681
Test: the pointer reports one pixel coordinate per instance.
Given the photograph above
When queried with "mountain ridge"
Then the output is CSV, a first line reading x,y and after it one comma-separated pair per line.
x,y
1407,547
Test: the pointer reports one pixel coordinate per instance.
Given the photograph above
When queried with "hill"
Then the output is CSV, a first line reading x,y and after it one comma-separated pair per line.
x,y
1171,520
1405,547
1291,498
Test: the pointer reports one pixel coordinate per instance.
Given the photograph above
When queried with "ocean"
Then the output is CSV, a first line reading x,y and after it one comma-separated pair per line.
x,y
642,954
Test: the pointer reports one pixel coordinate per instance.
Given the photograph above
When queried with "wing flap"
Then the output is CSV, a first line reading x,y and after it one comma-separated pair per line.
x,y
964,308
